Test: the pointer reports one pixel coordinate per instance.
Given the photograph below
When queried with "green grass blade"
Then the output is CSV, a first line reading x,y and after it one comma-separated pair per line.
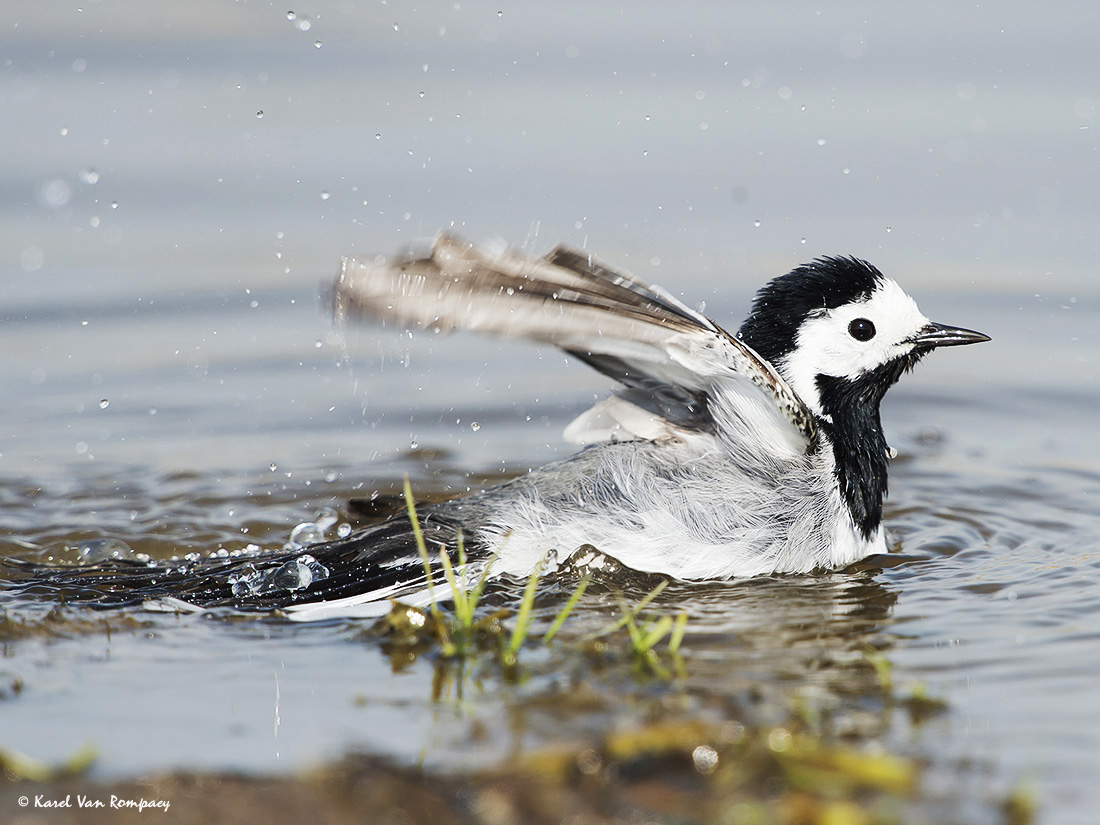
x,y
677,634
421,547
655,633
523,618
629,613
559,620
479,588
458,593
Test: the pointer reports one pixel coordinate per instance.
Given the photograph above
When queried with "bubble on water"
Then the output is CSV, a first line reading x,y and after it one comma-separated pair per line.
x,y
89,176
422,94
104,403
306,533
756,223
378,136
114,204
705,758
259,114
414,444
475,426
297,574
317,44
98,550
273,466
803,241
326,517
343,530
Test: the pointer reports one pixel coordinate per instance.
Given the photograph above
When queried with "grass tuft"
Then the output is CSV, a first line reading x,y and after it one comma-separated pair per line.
x,y
465,631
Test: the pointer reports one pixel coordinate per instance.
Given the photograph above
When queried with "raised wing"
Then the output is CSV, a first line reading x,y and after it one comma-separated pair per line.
x,y
676,363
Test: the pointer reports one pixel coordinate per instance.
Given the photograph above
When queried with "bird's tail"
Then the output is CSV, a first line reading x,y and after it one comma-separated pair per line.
x,y
374,565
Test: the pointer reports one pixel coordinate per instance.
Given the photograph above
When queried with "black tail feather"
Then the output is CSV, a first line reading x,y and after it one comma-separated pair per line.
x,y
381,558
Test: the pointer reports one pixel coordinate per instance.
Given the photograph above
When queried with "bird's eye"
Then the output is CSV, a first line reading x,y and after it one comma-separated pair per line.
x,y
861,329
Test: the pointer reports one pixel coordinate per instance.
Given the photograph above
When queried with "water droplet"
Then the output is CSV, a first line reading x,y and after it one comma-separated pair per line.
x,y
378,136
414,445
273,466
847,170
95,550
56,193
343,530
803,241
647,118
114,204
889,229
89,176
64,131
306,533
396,27
756,223
104,403
821,141
259,114
475,426
422,94
290,15
94,222
325,195
326,517
705,759
317,44
500,14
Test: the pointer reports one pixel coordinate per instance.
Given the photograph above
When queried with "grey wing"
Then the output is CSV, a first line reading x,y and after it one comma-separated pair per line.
x,y
676,363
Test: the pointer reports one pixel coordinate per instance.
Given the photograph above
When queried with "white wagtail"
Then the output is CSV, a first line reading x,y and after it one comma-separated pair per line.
x,y
721,456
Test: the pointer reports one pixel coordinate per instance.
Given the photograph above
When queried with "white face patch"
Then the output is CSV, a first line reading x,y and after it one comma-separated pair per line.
x,y
826,345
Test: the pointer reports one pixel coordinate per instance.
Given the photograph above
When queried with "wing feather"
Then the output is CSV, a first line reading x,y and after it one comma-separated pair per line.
x,y
676,362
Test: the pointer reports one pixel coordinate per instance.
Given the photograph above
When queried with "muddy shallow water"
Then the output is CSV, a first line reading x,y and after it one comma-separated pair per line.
x,y
172,379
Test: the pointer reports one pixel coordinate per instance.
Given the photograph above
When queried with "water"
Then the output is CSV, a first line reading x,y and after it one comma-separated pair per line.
x,y
173,383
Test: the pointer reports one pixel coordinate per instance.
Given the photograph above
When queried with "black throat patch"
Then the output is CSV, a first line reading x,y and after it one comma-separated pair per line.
x,y
859,445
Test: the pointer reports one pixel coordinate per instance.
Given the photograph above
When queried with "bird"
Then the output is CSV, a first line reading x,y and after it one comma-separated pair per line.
x,y
719,456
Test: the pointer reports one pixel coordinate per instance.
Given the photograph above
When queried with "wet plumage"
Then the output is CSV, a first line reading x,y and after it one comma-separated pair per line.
x,y
719,456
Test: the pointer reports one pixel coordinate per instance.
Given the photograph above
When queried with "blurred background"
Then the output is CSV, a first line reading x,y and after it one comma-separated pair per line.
x,y
178,181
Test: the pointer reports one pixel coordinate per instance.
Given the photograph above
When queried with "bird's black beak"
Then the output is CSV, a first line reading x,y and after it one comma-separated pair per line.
x,y
939,335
